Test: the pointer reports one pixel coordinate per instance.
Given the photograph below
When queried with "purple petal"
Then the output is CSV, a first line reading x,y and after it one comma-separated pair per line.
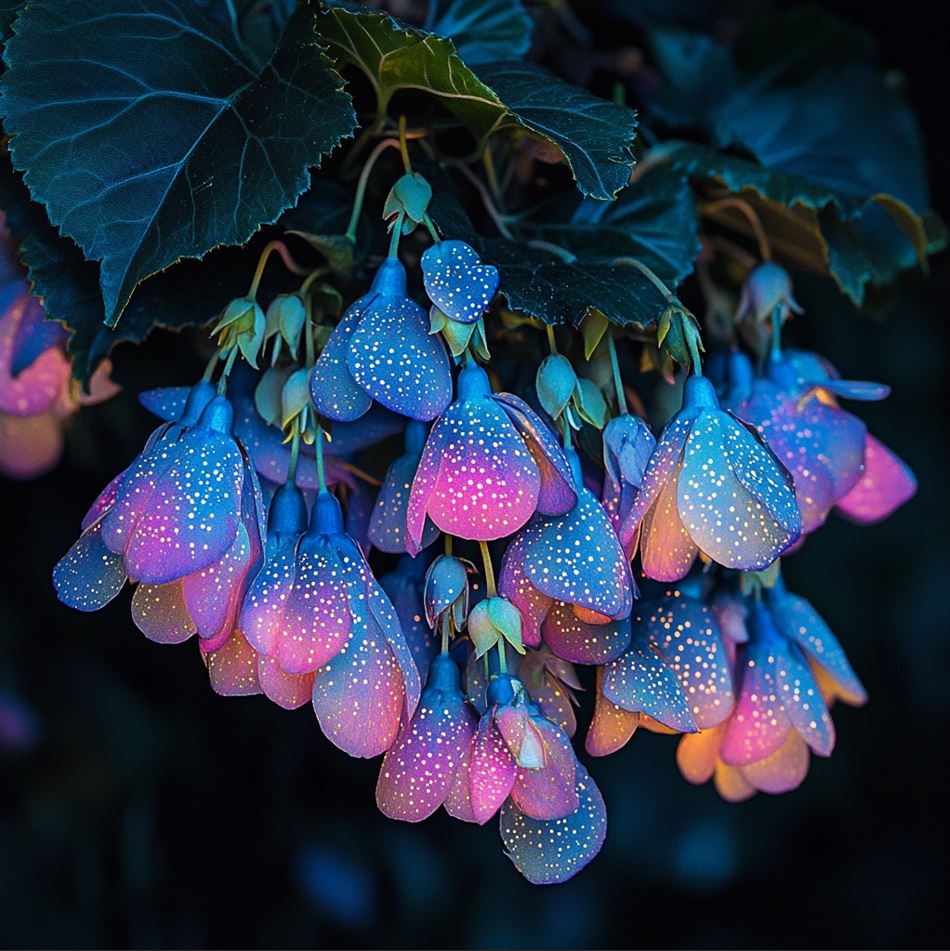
x,y
514,584
576,641
395,359
177,507
335,393
557,493
492,772
887,483
550,851
34,336
103,503
387,527
262,616
549,791
359,696
37,388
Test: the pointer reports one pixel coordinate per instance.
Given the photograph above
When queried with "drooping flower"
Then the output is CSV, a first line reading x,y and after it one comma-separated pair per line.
x,y
185,521
767,287
628,445
570,579
446,592
457,282
551,683
516,752
382,350
712,488
788,672
676,671
315,608
37,393
387,527
420,767
489,463
822,445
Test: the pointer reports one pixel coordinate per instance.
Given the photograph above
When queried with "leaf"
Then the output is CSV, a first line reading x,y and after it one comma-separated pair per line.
x,y
483,31
188,142
188,293
594,136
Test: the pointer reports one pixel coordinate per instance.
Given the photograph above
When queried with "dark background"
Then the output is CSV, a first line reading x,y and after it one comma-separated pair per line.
x,y
138,809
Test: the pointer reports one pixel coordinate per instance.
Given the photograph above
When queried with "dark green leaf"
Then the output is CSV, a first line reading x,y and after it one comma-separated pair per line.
x,y
187,143
483,30
594,136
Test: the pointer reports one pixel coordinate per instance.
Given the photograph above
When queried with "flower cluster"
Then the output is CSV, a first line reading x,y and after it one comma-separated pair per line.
x,y
247,521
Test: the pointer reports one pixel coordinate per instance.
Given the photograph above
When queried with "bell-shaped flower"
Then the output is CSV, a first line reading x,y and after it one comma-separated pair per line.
x,y
628,445
788,673
488,465
457,282
767,287
676,671
381,350
315,608
404,588
446,592
387,526
37,393
822,446
185,520
711,488
516,752
420,767
570,579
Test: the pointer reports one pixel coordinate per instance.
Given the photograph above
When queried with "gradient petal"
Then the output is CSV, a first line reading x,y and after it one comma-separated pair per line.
x,y
696,754
492,771
289,691
580,643
335,393
549,791
89,576
160,613
457,282
783,771
232,668
667,551
887,483
550,851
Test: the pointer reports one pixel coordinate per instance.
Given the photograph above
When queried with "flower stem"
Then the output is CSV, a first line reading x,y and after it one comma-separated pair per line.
x,y
694,355
489,571
212,363
396,235
765,250
777,319
622,409
294,456
502,656
403,146
552,340
649,274
308,331
318,454
361,185
427,221
286,257
223,381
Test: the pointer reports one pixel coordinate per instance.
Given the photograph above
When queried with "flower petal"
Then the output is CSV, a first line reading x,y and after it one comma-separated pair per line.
x,y
685,633
667,551
289,691
492,772
556,494
731,784
30,446
160,613
783,771
262,615
359,696
514,584
553,850
89,576
887,483
580,643
405,593
457,282
232,668
640,681
387,526
335,393
696,754
548,792
395,359
611,727
802,699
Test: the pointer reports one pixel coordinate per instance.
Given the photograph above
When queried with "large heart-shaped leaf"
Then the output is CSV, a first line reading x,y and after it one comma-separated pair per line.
x,y
483,31
594,136
151,133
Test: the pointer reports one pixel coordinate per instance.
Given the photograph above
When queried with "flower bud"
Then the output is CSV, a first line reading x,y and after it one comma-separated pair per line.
x,y
446,590
492,620
766,287
555,383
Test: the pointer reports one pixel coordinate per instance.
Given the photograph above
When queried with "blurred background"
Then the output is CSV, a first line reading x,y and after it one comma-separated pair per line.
x,y
139,809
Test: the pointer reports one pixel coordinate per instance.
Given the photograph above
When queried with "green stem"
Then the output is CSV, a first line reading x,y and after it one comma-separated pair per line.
x,y
286,257
223,381
427,221
294,456
489,571
403,146
318,455
552,340
694,355
448,544
361,185
396,235
308,332
622,408
777,315
445,635
502,656
649,274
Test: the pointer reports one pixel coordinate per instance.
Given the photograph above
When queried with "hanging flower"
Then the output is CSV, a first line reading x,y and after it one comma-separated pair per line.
x,y
712,488
37,393
570,580
404,588
457,282
315,608
628,445
382,350
788,672
676,671
184,520
387,527
767,287
419,769
551,683
489,463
